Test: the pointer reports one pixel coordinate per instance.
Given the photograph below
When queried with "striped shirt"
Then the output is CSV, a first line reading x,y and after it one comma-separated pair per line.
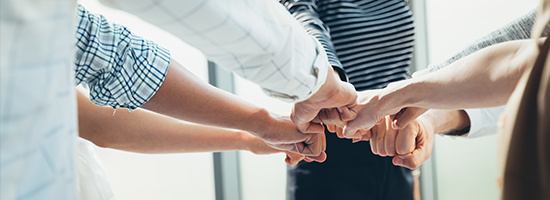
x,y
371,39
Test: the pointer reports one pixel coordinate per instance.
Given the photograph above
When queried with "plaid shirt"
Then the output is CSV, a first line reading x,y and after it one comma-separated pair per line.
x,y
120,69
257,40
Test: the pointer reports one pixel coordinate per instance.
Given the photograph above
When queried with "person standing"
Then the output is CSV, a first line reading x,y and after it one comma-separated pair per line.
x,y
371,42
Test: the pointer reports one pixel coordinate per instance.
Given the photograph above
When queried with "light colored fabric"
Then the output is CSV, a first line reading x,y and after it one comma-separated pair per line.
x,y
483,121
92,177
257,40
37,100
119,68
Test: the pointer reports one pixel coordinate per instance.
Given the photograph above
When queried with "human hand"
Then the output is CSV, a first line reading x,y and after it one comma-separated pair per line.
x,y
259,147
411,145
282,134
332,96
374,105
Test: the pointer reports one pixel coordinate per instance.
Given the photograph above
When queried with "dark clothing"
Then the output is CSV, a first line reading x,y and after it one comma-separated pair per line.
x,y
372,42
350,172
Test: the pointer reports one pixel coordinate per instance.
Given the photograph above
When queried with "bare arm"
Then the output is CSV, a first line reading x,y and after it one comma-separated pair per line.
x,y
147,132
184,96
483,79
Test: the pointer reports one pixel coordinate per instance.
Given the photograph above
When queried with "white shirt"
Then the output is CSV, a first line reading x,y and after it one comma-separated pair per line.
x,y
258,40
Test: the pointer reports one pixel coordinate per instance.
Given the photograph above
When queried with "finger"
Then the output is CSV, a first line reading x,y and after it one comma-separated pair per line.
x,y
340,132
303,116
293,159
405,141
331,128
412,160
320,158
324,117
348,113
419,155
317,120
407,115
312,128
373,144
313,146
363,121
335,117
367,135
362,132
380,138
389,139
308,160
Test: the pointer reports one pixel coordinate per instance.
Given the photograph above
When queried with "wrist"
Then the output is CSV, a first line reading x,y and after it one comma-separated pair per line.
x,y
400,94
326,91
427,124
246,141
443,121
260,122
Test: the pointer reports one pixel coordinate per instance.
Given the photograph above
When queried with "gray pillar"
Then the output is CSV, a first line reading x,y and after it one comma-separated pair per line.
x,y
227,177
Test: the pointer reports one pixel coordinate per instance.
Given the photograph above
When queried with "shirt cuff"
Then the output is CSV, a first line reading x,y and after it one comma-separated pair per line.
x,y
304,91
420,73
341,73
483,121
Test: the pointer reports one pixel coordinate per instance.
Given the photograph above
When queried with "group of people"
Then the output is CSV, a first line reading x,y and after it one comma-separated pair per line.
x,y
316,54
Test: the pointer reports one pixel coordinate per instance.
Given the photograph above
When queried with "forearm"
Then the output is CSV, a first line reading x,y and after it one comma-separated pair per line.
x,y
147,132
446,122
186,97
483,79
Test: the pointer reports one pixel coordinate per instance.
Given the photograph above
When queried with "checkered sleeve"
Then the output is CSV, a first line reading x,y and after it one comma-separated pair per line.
x,y
257,40
122,70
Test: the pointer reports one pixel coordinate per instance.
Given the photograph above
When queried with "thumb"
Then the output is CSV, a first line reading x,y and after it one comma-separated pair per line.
x,y
407,115
293,159
412,160
348,113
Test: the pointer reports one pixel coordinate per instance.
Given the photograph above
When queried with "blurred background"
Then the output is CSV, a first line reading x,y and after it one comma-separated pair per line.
x,y
459,168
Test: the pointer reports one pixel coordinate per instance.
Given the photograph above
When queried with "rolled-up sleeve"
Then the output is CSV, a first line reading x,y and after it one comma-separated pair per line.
x,y
121,70
257,40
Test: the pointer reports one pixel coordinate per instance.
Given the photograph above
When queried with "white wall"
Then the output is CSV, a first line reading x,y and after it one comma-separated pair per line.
x,y
467,168
172,176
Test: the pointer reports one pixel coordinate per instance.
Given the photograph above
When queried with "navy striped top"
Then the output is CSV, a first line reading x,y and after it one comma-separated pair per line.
x,y
372,40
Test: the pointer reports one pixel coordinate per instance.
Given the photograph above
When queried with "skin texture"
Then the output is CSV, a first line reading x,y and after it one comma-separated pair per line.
x,y
485,78
388,117
412,145
334,95
185,97
143,131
